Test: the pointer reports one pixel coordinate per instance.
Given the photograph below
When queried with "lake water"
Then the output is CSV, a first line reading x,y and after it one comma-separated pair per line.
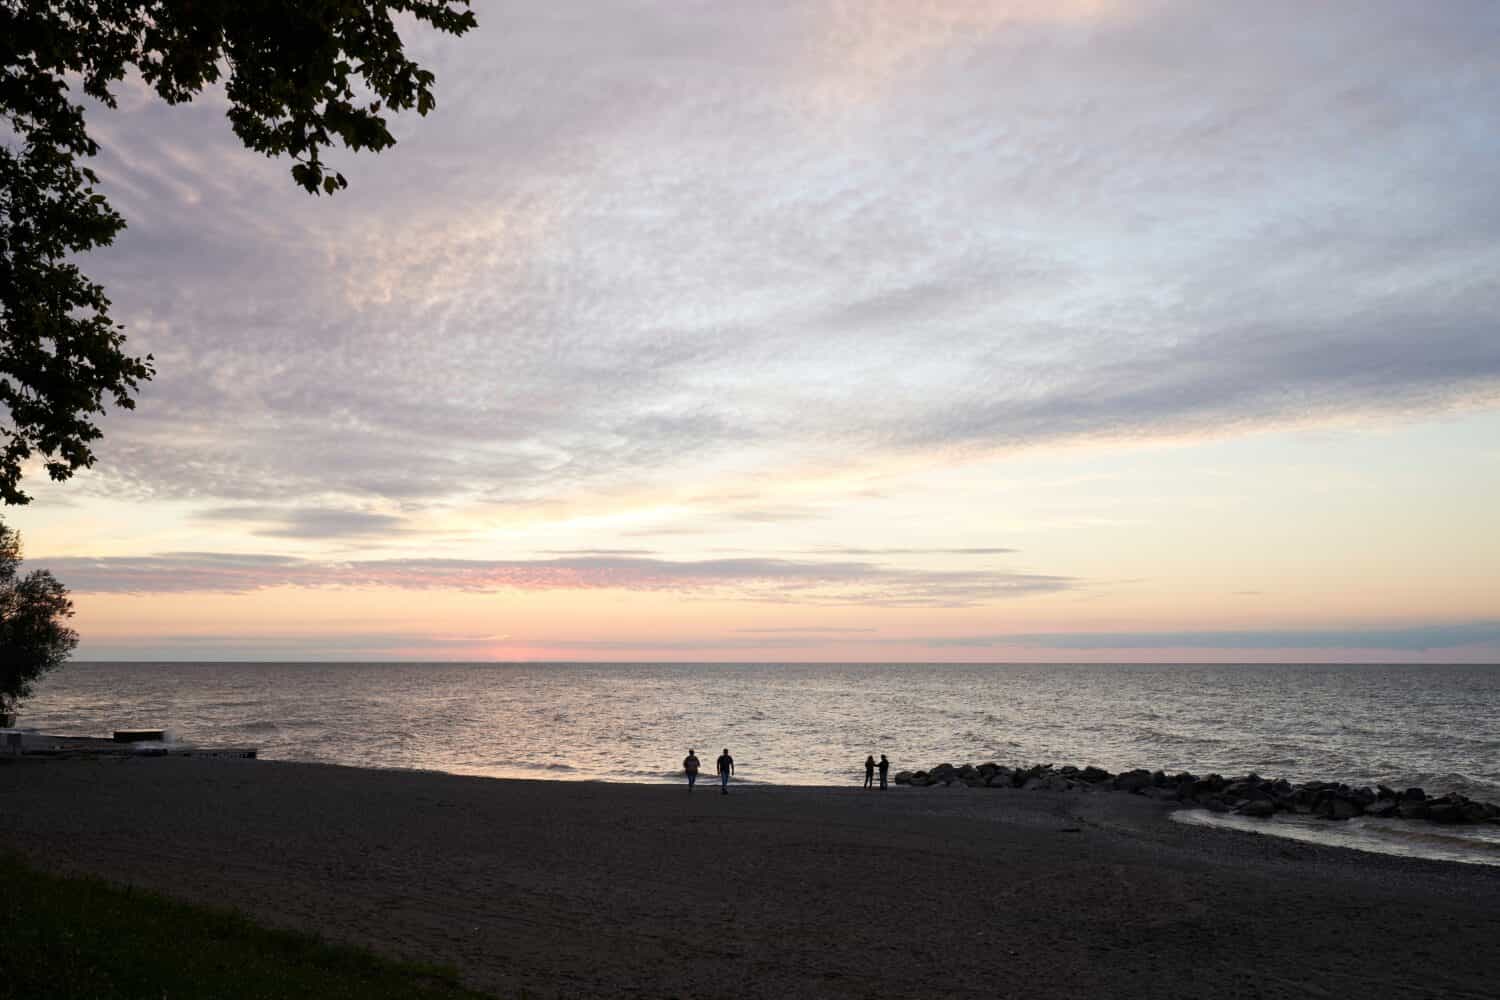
x,y
813,724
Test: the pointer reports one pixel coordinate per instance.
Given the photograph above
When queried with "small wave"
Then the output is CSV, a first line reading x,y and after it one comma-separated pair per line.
x,y
1475,846
1469,839
531,765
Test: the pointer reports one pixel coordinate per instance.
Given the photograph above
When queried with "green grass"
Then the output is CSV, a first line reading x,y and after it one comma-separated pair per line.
x,y
82,939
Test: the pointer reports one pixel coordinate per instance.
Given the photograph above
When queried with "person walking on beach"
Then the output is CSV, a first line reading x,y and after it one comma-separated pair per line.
x,y
690,768
726,768
885,768
869,771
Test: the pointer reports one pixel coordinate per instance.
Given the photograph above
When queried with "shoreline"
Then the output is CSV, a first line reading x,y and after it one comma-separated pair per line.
x,y
1477,849
601,889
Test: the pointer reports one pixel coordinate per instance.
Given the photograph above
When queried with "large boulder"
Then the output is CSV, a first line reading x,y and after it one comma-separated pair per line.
x,y
1475,812
903,777
1133,781
1208,785
1338,807
1445,812
1049,782
1247,791
1412,809
1258,808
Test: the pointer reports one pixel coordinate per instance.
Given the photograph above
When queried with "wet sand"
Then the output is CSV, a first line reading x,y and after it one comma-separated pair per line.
x,y
594,890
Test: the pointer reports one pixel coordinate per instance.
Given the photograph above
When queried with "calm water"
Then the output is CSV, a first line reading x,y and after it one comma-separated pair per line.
x,y
1434,726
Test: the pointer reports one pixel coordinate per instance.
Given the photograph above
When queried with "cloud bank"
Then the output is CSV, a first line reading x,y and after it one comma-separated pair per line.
x,y
757,579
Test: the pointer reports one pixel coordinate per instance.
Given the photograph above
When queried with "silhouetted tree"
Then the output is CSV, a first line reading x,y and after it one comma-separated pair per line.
x,y
33,636
299,75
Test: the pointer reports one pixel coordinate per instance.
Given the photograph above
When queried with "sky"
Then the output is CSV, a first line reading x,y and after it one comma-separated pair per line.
x,y
830,331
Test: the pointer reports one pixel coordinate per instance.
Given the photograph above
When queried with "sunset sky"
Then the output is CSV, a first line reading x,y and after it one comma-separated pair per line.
x,y
823,331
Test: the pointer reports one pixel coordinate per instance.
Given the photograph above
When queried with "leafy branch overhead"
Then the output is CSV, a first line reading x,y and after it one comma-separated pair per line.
x,y
300,76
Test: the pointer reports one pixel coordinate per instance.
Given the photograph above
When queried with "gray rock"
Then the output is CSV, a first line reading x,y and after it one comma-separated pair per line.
x,y
1258,808
1132,781
1474,812
1338,807
1411,809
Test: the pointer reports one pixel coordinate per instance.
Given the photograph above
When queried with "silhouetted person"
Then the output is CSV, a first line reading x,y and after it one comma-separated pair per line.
x,y
869,771
885,768
726,768
690,768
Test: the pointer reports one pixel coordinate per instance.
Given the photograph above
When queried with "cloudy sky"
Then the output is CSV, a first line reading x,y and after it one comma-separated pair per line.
x,y
823,331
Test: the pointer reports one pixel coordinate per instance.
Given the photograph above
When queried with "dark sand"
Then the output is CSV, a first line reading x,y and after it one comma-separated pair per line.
x,y
583,890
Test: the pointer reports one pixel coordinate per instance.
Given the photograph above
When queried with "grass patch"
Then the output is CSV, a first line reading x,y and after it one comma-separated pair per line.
x,y
91,940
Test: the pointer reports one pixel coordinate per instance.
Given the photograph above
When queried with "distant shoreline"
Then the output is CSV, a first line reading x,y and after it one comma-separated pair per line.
x,y
563,888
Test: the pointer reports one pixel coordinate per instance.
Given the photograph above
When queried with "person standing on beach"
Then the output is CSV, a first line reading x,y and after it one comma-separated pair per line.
x,y
885,768
690,768
726,768
869,771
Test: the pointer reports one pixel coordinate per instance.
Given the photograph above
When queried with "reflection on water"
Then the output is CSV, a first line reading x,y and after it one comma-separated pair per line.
x,y
812,724
1476,844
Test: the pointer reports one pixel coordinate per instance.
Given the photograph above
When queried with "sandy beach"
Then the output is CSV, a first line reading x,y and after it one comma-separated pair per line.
x,y
591,890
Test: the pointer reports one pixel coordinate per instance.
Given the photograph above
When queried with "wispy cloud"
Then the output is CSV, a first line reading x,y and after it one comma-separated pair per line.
x,y
307,522
809,630
718,242
979,551
599,552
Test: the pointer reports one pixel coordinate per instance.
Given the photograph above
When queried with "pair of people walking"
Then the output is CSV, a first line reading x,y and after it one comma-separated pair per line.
x,y
725,765
870,767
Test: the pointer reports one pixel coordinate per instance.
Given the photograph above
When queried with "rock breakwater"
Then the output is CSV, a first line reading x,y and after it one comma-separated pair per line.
x,y
1250,795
